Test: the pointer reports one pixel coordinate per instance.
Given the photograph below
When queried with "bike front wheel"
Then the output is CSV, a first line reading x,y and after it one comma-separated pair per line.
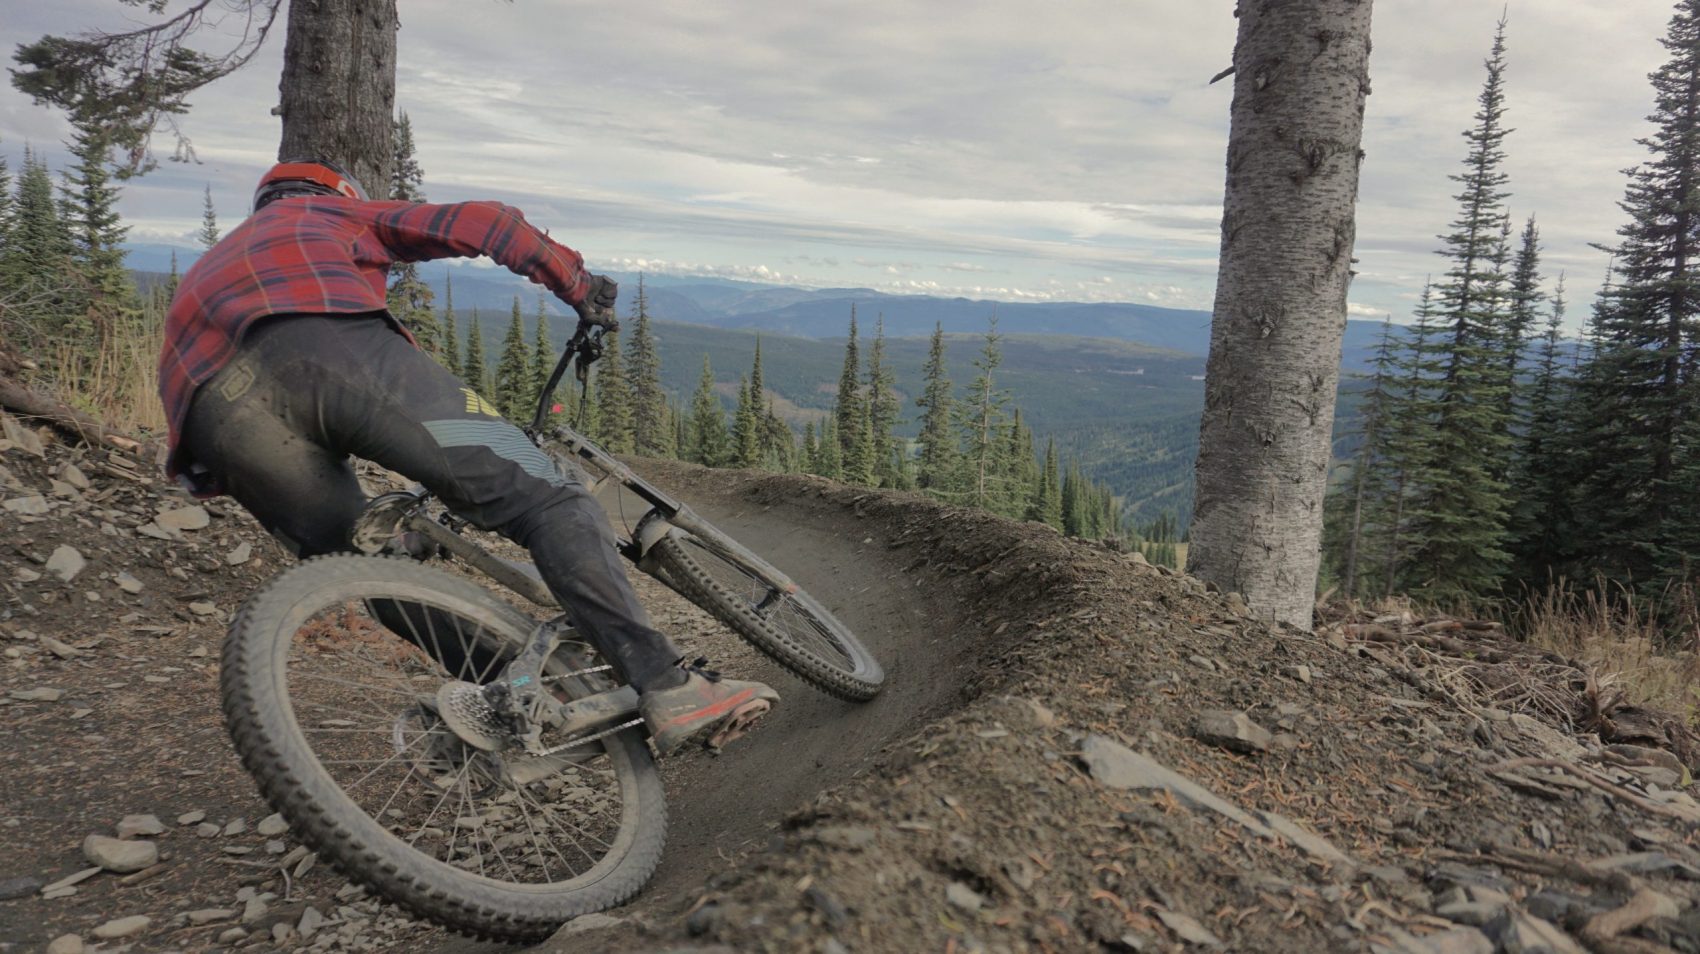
x,y
773,614
329,681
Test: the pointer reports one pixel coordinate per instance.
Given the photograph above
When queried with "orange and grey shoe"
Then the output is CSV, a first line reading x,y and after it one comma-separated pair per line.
x,y
704,706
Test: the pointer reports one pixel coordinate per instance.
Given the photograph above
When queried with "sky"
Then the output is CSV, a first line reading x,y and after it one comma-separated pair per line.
x,y
993,149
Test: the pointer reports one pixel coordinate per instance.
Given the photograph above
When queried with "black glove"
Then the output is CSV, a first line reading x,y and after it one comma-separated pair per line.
x,y
598,304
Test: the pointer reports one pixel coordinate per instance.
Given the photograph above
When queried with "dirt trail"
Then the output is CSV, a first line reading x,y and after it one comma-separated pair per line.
x,y
1076,752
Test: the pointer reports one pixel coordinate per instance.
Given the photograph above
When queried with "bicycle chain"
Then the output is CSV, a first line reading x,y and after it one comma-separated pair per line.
x,y
588,738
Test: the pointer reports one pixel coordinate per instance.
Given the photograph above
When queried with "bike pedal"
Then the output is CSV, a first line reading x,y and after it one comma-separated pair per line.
x,y
742,720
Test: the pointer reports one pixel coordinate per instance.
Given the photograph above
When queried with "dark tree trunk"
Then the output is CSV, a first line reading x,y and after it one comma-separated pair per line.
x,y
1301,72
338,86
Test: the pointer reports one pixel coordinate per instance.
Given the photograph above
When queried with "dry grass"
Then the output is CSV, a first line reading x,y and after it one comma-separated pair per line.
x,y
113,378
1616,637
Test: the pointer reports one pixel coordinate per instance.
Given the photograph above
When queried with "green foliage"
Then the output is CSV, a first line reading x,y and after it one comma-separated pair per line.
x,y
613,399
208,236
882,409
706,440
513,370
472,370
981,416
937,464
450,355
542,361
652,432
850,417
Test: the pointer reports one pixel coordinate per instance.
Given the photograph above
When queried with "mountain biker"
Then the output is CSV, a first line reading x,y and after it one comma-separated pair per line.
x,y
280,361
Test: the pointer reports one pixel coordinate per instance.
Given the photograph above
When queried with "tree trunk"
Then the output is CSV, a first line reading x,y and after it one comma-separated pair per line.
x,y
1301,75
338,87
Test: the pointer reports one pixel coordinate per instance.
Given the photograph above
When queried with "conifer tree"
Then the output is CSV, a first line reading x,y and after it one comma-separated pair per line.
x,y
882,410
613,398
451,334
513,370
38,249
746,428
937,438
1050,509
708,444
1347,509
829,462
410,299
208,235
849,417
1542,524
542,361
982,419
778,443
1406,448
473,371
1522,313
1460,525
90,208
1638,384
652,436
6,204
811,450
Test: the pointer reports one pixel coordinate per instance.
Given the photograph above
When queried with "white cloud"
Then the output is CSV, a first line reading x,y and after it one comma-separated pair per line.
x,y
941,139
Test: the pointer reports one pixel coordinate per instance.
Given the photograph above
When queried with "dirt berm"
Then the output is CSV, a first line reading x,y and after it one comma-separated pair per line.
x,y
1075,752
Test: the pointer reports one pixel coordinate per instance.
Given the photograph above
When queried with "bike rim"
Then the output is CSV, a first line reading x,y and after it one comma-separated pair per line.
x,y
785,612
363,701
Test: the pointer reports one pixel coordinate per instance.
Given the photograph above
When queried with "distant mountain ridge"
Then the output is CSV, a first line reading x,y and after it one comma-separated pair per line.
x,y
825,313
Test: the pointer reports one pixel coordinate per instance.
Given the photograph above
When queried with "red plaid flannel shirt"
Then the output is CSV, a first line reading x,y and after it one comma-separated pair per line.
x,y
331,255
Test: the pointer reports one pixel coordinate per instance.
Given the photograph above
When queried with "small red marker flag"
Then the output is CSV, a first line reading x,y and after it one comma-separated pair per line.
x,y
557,409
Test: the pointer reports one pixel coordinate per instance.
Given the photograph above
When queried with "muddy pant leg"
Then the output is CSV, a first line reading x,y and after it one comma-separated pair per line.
x,y
305,495
379,398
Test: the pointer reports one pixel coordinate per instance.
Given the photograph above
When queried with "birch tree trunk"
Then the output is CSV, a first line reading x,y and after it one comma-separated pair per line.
x,y
338,88
1301,72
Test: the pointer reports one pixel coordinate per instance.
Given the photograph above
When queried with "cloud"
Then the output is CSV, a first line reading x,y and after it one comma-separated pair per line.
x,y
952,137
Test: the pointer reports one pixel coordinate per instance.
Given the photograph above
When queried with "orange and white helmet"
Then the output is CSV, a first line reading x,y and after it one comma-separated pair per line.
x,y
306,177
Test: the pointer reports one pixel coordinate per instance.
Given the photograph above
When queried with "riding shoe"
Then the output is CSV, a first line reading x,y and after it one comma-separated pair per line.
x,y
704,706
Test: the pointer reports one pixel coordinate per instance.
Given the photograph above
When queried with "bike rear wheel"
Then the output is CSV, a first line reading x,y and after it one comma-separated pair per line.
x,y
781,620
336,718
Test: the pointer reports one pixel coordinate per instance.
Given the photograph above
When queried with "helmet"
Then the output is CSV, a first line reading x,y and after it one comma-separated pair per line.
x,y
305,177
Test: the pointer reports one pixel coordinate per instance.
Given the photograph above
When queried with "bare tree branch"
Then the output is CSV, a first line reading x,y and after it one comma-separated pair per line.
x,y
133,82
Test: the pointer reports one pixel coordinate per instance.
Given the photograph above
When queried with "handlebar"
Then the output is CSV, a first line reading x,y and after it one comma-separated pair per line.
x,y
583,349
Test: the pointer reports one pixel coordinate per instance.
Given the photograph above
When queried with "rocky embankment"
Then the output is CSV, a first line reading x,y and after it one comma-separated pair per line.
x,y
1077,752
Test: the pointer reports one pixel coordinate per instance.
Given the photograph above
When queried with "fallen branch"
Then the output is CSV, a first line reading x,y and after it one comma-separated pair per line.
x,y
1671,811
67,419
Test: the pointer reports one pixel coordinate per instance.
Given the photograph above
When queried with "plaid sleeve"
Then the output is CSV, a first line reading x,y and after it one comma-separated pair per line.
x,y
416,232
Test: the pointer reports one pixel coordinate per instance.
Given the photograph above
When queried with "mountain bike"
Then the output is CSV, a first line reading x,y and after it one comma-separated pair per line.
x,y
486,770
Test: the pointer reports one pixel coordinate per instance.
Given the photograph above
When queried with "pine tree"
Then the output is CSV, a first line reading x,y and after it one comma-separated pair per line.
x,y
451,334
513,370
473,371
410,299
829,461
1637,387
982,418
209,220
614,398
1051,501
1522,314
746,428
849,418
6,204
90,208
1346,510
38,249
1407,448
811,449
1542,523
1461,523
542,362
937,439
651,434
882,410
708,443
779,445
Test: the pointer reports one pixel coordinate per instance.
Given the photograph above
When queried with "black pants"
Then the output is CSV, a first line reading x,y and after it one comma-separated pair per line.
x,y
305,392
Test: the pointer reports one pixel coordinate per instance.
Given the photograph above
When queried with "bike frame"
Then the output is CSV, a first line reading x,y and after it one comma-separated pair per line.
x,y
519,689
